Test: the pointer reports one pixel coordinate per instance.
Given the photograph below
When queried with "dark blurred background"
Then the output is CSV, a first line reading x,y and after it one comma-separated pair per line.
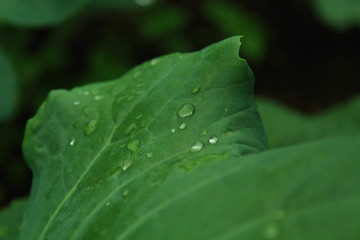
x,y
305,54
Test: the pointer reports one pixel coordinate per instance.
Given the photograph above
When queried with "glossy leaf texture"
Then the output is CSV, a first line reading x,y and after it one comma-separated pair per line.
x,y
109,158
11,218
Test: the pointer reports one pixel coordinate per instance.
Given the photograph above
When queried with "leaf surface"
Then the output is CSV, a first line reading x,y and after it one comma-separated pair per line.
x,y
102,154
10,219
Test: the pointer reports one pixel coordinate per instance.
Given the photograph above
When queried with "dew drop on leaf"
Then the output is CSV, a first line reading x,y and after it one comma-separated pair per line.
x,y
126,165
271,231
186,110
133,145
196,90
76,102
72,142
173,130
204,132
125,192
198,146
107,204
91,126
98,97
130,128
213,140
154,61
149,155
182,126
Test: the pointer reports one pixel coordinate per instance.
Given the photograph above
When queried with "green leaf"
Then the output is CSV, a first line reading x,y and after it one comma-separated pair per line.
x,y
339,14
10,219
103,155
8,88
38,12
285,127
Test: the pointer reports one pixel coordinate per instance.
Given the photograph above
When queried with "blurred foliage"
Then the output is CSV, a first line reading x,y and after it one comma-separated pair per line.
x,y
53,44
8,88
285,126
339,14
10,219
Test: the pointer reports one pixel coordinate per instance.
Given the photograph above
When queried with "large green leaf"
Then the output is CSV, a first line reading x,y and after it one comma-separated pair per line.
x,y
10,219
285,126
108,157
8,88
38,12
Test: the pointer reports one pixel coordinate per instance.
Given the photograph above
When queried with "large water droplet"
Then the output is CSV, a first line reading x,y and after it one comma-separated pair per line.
x,y
133,145
182,126
72,142
76,102
197,146
149,155
196,90
186,110
271,231
173,130
213,140
126,164
91,126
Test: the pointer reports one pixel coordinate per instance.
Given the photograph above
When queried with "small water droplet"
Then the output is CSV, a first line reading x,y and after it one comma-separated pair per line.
x,y
198,146
144,3
149,155
91,126
98,97
138,116
182,126
126,164
271,231
133,145
72,142
107,204
76,102
196,90
130,128
226,109
186,110
173,130
154,61
125,192
136,74
204,132
130,97
213,140
86,93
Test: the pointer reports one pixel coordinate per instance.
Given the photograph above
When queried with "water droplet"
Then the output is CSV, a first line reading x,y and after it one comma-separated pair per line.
x,y
226,109
133,145
136,74
198,146
125,192
86,93
271,231
182,126
98,97
196,90
149,155
204,132
144,3
173,130
126,164
138,116
130,128
154,61
213,140
186,110
91,126
130,97
76,102
72,142
107,204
